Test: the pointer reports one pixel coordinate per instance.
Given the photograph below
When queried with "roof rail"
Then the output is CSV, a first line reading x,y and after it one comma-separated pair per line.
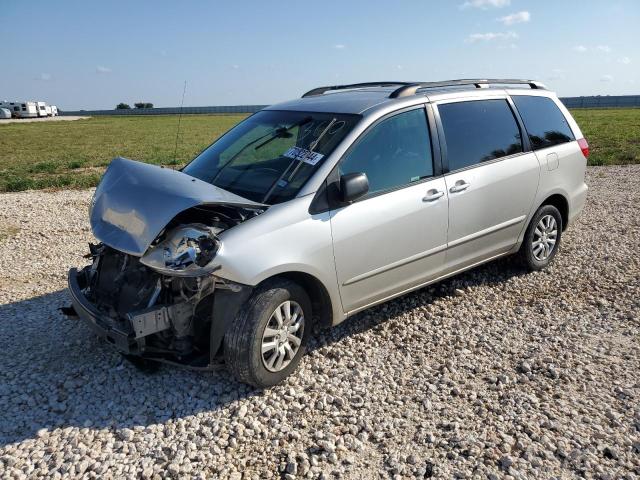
x,y
321,90
412,88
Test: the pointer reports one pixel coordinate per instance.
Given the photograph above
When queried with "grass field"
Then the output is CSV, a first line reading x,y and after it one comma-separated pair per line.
x,y
74,154
613,134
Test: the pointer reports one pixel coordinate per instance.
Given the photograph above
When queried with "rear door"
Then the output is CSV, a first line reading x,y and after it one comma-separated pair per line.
x,y
394,238
491,178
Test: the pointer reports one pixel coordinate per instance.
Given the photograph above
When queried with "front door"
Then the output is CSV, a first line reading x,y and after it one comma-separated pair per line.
x,y
395,237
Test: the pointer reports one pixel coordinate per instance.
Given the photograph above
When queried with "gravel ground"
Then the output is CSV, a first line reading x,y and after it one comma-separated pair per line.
x,y
492,374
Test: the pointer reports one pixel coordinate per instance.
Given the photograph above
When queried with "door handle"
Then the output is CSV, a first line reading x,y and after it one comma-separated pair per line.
x,y
460,186
432,195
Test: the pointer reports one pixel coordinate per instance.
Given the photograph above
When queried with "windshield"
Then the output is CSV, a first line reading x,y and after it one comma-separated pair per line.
x,y
268,157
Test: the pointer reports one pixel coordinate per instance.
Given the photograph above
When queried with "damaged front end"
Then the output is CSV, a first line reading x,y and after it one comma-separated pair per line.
x,y
160,300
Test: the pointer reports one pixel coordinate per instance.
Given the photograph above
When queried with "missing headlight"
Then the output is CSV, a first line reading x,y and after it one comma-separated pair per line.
x,y
186,250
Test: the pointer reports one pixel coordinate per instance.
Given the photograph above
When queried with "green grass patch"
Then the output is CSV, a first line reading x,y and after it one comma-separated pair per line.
x,y
74,164
613,134
73,154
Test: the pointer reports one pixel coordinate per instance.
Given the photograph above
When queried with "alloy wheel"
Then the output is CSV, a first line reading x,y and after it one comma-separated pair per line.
x,y
544,238
282,336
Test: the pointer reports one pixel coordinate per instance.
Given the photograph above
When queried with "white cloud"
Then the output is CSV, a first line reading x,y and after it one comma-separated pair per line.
x,y
624,60
580,48
399,67
484,4
235,66
490,36
520,17
102,69
606,78
603,48
339,46
45,77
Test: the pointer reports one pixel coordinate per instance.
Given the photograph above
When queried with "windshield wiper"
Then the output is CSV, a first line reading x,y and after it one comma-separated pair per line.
x,y
312,146
279,132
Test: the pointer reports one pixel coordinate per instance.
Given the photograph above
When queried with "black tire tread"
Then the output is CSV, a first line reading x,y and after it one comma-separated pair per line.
x,y
525,256
243,331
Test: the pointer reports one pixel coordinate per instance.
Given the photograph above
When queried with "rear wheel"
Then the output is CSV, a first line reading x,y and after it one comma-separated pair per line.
x,y
542,238
268,338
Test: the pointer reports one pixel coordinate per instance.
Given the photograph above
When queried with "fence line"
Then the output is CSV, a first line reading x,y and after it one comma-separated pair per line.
x,y
607,101
171,110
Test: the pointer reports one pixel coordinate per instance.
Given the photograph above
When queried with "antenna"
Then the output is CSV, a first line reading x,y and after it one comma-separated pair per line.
x,y
175,152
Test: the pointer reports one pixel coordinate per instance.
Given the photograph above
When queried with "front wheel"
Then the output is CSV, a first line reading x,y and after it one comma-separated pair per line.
x,y
542,238
265,343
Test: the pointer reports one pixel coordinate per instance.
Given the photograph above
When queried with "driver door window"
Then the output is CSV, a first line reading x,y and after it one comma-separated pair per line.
x,y
394,153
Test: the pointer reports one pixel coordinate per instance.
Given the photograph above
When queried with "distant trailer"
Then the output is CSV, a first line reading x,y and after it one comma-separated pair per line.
x,y
42,109
5,113
21,109
54,111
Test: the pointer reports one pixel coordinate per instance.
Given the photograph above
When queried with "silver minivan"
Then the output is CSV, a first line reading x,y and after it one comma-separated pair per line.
x,y
312,210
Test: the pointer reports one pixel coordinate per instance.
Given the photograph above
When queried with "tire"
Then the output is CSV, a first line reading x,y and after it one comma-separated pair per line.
x,y
530,254
245,338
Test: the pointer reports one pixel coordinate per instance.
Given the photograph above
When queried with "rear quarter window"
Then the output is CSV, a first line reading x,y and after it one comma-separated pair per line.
x,y
545,123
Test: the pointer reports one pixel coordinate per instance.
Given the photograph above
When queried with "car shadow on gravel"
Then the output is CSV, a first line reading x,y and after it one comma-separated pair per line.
x,y
492,273
54,373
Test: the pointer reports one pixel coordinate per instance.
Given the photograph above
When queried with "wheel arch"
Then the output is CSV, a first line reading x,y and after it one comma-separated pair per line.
x,y
562,204
318,294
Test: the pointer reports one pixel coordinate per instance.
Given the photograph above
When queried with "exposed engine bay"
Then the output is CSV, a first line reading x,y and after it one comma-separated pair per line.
x,y
166,304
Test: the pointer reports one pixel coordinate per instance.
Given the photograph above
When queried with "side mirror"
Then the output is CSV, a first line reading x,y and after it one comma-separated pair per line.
x,y
353,186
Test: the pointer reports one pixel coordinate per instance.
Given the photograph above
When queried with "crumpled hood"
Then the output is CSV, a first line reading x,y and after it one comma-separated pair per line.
x,y
135,201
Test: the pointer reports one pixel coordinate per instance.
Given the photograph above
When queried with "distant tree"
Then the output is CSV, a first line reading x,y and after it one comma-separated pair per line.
x,y
148,105
143,105
122,106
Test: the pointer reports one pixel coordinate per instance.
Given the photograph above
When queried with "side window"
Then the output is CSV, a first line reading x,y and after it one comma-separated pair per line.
x,y
543,120
478,131
395,152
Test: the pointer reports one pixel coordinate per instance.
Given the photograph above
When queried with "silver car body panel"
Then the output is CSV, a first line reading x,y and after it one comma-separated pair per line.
x,y
134,202
284,239
387,243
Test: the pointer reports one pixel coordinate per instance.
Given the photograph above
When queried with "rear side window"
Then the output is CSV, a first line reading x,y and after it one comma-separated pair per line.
x,y
478,131
395,152
543,120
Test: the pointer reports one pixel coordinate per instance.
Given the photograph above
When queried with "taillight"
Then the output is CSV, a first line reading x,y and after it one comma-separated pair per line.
x,y
584,146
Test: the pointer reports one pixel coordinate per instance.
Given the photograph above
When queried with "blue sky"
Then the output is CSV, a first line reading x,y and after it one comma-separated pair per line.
x,y
89,54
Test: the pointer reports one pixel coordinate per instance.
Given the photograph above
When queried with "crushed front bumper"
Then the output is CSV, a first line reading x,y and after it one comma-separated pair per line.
x,y
129,334
104,326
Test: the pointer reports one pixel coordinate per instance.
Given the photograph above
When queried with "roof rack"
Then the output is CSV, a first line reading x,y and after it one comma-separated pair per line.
x,y
412,88
321,90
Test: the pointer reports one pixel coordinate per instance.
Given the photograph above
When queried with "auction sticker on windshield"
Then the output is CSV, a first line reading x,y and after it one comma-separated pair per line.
x,y
304,155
